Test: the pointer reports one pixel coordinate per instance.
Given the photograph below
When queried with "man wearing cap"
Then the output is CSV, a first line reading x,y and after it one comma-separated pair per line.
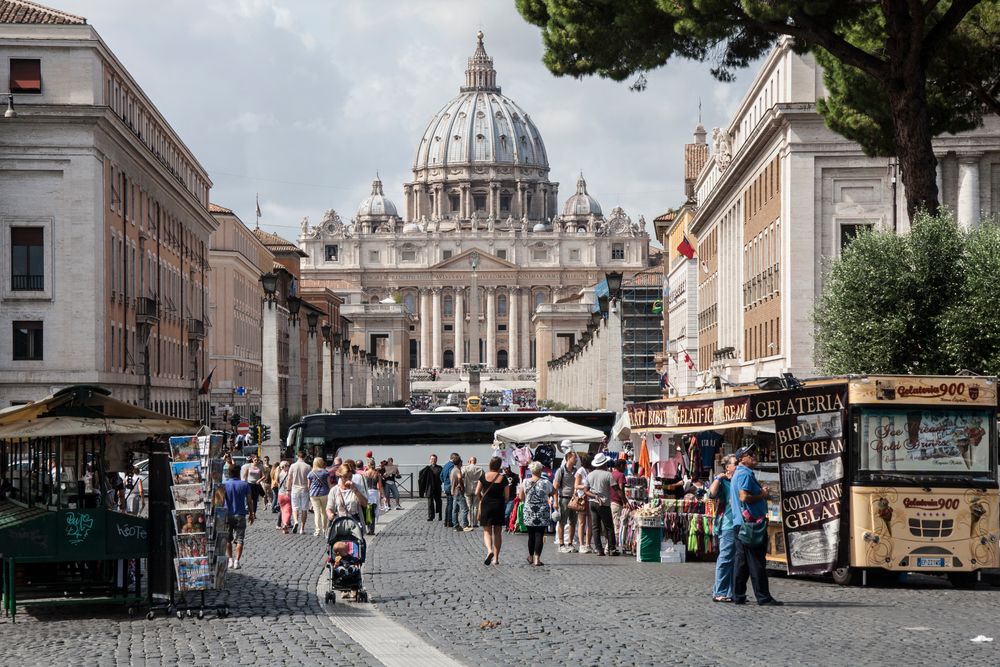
x,y
749,503
599,494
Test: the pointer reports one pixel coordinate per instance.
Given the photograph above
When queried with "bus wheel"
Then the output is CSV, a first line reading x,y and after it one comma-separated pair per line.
x,y
846,576
963,580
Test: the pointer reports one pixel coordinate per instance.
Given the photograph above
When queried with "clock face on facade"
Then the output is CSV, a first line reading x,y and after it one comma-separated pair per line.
x,y
617,226
330,228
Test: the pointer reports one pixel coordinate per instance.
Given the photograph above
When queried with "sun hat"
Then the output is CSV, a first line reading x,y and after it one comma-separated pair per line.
x,y
599,460
566,446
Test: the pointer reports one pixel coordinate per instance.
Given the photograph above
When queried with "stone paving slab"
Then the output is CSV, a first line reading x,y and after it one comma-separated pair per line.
x,y
587,610
275,619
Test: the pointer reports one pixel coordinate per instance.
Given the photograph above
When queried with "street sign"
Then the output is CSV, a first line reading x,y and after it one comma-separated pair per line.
x,y
243,428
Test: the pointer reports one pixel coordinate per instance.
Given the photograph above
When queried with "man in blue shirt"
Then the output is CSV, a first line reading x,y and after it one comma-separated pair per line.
x,y
446,487
237,509
750,497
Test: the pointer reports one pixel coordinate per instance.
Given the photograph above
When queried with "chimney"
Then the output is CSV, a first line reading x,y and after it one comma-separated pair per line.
x,y
695,157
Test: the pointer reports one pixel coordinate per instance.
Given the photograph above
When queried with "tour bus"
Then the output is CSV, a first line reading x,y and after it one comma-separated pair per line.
x,y
895,473
473,404
411,437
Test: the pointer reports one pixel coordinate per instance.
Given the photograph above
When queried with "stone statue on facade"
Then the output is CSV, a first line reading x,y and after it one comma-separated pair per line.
x,y
491,224
722,147
475,223
304,226
524,224
592,223
509,223
423,223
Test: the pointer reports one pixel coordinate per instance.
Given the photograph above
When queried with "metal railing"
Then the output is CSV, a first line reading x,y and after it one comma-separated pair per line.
x,y
27,283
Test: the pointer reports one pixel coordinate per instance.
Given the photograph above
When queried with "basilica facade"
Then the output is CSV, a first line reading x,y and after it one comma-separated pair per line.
x,y
482,241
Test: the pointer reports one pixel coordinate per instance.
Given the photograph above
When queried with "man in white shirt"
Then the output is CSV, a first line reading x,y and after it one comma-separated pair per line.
x,y
298,482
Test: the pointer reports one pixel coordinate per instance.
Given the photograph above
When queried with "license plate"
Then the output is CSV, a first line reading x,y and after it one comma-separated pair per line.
x,y
930,562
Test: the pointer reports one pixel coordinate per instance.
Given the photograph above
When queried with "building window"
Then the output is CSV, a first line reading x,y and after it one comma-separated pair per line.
x,y
848,232
455,202
501,305
25,75
27,254
410,302
574,254
617,251
539,299
480,202
373,256
539,254
446,254
27,341
502,254
332,253
504,203
449,327
449,306
409,255
501,327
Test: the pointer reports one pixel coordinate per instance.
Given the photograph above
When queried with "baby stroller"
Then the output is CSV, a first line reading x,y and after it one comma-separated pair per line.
x,y
346,575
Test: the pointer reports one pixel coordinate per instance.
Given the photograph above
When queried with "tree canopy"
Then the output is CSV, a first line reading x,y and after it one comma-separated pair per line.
x,y
922,302
898,73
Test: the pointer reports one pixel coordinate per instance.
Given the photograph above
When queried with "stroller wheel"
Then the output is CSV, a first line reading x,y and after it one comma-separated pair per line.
x,y
330,597
362,596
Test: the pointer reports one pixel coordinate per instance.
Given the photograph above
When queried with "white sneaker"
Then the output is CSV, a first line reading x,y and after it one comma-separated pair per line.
x,y
236,565
230,563
585,550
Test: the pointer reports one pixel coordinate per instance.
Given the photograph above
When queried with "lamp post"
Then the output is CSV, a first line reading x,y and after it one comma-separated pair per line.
x,y
270,388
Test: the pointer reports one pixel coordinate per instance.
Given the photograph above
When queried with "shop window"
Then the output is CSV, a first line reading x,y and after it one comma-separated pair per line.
x,y
27,270
27,341
25,75
332,253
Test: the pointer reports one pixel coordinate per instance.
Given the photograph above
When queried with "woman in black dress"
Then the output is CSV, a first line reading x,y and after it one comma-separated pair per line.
x,y
493,492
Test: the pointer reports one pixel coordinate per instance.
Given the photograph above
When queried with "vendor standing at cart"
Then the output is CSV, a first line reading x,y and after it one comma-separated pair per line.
x,y
749,504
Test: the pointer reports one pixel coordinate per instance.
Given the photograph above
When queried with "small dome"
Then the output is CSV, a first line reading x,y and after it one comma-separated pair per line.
x,y
411,228
377,204
540,227
581,204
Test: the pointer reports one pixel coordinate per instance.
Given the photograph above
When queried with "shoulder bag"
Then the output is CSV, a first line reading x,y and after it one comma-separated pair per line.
x,y
752,534
479,510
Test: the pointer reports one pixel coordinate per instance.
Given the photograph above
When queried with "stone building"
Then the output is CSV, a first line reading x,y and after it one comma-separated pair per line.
x,y
104,225
480,245
781,194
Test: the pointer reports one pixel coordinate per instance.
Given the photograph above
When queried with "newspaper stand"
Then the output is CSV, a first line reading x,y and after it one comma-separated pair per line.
x,y
199,520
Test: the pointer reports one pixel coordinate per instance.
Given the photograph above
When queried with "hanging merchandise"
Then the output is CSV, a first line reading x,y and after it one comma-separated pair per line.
x,y
545,454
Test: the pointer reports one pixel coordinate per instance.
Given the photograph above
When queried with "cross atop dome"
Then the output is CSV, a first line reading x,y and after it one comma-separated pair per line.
x,y
480,75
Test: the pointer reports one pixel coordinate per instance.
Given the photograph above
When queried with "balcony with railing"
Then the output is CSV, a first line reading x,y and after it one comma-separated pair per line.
x,y
196,329
27,283
145,310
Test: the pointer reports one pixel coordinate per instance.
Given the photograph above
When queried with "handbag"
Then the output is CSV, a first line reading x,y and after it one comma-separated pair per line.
x,y
577,504
752,534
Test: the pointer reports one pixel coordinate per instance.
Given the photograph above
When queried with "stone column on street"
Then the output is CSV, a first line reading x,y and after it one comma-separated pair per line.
x,y
459,326
294,396
513,359
968,191
491,327
270,396
312,375
425,328
436,328
326,368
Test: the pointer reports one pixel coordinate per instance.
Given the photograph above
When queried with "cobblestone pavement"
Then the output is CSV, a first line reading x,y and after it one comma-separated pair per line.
x,y
587,610
275,619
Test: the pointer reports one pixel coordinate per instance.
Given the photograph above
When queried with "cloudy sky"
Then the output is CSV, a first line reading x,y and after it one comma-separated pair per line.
x,y
302,101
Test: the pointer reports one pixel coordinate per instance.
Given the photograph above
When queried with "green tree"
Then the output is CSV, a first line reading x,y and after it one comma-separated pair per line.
x,y
921,302
925,64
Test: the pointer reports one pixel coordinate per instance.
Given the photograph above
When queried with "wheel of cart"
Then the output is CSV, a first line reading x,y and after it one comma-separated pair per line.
x,y
331,597
362,596
150,615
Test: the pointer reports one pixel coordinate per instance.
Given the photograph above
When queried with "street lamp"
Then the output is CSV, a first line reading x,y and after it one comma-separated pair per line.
x,y
312,318
269,281
337,339
614,279
10,113
354,349
602,304
327,332
294,304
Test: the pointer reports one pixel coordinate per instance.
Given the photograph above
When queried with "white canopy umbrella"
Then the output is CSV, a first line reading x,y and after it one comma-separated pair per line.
x,y
549,429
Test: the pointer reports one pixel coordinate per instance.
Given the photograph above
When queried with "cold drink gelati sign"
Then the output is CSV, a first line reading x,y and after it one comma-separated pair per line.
x,y
809,429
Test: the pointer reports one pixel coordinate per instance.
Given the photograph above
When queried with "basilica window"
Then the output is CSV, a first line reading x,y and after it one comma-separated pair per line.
x,y
539,254
410,302
446,254
332,253
480,202
373,256
502,253
455,202
504,203
539,299
449,306
617,251
408,255
574,254
501,305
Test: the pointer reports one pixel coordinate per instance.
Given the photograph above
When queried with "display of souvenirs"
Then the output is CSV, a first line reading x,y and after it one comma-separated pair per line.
x,y
189,521
185,448
189,496
218,525
193,574
215,467
191,546
186,472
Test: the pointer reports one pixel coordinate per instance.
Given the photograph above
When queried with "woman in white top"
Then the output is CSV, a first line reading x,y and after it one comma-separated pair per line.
x,y
346,498
580,487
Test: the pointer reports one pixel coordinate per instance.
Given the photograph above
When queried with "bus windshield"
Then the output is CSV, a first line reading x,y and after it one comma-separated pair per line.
x,y
926,441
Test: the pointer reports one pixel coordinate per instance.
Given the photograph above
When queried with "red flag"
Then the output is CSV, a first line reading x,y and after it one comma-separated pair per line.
x,y
685,248
206,385
688,361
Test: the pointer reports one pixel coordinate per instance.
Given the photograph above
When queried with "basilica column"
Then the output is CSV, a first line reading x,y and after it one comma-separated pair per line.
x,y
436,328
425,328
526,327
459,326
491,327
968,191
512,333
520,199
